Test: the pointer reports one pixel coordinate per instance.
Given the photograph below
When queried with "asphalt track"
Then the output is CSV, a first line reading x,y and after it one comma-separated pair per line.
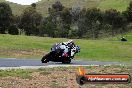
x,y
12,62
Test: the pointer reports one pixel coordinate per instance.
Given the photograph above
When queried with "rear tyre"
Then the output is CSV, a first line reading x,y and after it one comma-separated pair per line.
x,y
68,61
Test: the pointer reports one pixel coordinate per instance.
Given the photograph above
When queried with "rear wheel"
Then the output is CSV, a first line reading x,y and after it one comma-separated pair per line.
x,y
66,61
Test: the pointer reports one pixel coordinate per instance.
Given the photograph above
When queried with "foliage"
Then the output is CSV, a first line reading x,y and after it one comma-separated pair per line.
x,y
30,21
5,17
64,22
128,12
115,18
13,30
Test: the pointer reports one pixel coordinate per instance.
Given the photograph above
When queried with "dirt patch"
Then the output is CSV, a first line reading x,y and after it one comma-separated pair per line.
x,y
62,78
23,53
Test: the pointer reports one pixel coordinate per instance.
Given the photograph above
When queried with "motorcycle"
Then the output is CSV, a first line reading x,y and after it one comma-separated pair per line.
x,y
59,57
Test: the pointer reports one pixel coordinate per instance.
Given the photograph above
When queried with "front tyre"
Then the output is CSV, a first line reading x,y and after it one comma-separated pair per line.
x,y
45,58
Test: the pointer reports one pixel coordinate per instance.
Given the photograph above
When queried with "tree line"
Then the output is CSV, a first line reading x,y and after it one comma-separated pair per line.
x,y
66,22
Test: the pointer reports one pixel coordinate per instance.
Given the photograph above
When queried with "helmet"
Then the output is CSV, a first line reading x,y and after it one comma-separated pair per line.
x,y
70,43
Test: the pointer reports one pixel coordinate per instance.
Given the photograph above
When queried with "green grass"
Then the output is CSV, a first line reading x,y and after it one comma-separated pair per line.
x,y
129,37
119,5
43,5
25,74
102,50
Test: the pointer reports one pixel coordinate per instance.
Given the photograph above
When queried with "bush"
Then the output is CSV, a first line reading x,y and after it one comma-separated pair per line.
x,y
13,30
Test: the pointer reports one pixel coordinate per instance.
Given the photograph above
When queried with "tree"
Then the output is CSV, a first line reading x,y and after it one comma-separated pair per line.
x,y
128,12
13,30
116,19
30,21
72,33
5,16
33,5
66,16
82,25
60,18
57,6
48,27
65,22
93,22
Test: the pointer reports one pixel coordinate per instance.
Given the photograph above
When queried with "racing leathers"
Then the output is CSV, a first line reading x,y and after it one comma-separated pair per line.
x,y
60,47
64,47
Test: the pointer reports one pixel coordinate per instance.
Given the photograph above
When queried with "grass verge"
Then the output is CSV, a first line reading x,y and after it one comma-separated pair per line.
x,y
110,49
25,74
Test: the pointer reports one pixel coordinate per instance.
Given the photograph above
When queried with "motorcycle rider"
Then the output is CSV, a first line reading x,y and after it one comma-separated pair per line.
x,y
63,47
62,52
70,44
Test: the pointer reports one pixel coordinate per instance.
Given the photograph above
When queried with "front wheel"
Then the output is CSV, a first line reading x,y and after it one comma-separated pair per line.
x,y
45,58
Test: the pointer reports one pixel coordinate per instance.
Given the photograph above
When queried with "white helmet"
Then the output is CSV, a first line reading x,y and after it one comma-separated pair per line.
x,y
70,43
